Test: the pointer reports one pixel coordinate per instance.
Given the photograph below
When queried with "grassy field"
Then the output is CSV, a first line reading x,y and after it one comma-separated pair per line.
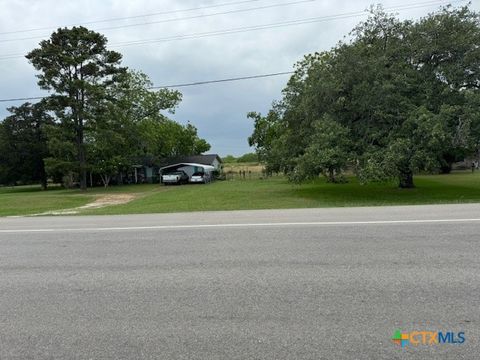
x,y
30,200
242,171
237,194
26,200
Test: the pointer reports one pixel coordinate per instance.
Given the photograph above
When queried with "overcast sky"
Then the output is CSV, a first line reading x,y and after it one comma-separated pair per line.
x,y
217,110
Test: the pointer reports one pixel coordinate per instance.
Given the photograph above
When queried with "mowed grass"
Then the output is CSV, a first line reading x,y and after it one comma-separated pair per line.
x,y
27,200
31,200
276,192
279,193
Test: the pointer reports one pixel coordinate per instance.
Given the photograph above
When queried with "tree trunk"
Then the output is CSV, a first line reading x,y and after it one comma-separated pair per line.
x,y
105,180
43,176
406,180
82,163
83,167
43,183
331,175
446,168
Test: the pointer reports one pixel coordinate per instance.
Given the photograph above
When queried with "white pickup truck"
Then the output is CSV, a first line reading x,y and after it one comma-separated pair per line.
x,y
176,177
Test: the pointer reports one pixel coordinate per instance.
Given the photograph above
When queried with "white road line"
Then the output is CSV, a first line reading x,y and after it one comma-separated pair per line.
x,y
240,225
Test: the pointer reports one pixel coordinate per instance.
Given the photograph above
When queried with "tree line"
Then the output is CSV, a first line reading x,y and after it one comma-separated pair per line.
x,y
245,158
396,98
100,118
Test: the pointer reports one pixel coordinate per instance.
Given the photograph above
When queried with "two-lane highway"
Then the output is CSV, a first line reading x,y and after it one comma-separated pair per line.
x,y
276,284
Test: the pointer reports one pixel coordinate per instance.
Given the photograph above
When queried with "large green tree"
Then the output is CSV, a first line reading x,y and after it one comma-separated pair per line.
x,y
401,94
77,67
142,114
23,144
116,140
165,138
132,127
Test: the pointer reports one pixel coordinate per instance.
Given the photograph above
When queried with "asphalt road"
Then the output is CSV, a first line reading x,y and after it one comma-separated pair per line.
x,y
283,284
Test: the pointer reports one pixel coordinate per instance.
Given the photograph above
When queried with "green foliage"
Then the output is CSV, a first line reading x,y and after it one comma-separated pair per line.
x,y
166,138
229,159
77,66
327,153
23,144
131,98
269,139
101,117
247,158
403,94
118,138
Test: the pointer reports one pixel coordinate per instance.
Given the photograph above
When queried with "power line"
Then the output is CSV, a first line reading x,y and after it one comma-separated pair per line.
x,y
150,14
263,27
175,19
210,15
197,83
273,25
222,80
23,99
243,29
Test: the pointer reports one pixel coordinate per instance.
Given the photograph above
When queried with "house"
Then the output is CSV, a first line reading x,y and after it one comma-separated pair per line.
x,y
143,174
147,169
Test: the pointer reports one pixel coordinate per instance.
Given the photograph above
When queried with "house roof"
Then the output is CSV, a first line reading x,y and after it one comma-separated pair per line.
x,y
207,159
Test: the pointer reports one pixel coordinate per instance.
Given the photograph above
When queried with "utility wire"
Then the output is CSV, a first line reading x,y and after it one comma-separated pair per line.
x,y
262,27
258,27
222,80
150,14
174,19
23,99
177,85
209,15
271,25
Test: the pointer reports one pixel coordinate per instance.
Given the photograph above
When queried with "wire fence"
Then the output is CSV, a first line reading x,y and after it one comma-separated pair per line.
x,y
244,172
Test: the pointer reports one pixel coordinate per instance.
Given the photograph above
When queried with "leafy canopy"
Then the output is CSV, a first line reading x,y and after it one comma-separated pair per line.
x,y
398,98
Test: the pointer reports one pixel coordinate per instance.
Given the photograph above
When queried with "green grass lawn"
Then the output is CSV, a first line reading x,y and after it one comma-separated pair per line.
x,y
31,200
458,187
27,200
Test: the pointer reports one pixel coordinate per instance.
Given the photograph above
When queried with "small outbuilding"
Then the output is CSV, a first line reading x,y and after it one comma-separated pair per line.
x,y
207,159
207,164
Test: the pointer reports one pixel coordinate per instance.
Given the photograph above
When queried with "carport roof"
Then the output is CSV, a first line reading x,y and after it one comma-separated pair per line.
x,y
207,167
206,159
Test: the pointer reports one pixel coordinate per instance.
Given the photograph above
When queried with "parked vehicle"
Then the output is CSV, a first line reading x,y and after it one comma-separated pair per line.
x,y
175,177
200,177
